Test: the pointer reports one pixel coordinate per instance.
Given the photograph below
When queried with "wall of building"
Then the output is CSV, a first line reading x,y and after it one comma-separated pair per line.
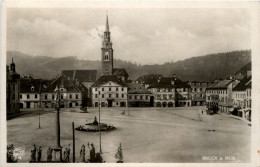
x,y
163,97
113,94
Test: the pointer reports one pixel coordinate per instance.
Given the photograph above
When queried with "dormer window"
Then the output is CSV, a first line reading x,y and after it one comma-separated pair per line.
x,y
32,88
61,89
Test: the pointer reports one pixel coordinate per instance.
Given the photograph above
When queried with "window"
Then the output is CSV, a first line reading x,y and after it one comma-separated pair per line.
x,y
35,96
95,95
122,89
122,95
77,96
95,89
146,97
32,88
76,104
130,97
195,89
116,89
46,96
28,96
61,89
141,97
116,95
61,97
200,89
53,96
70,96
103,95
109,89
109,95
21,96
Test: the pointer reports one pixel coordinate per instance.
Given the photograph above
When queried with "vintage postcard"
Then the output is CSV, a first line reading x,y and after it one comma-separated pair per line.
x,y
136,83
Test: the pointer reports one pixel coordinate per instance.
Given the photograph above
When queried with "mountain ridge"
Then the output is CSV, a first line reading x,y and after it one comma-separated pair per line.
x,y
202,68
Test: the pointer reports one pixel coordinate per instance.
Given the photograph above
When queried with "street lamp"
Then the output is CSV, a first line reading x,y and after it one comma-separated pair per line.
x,y
99,120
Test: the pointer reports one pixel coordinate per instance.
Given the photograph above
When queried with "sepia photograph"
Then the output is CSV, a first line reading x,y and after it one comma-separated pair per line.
x,y
127,84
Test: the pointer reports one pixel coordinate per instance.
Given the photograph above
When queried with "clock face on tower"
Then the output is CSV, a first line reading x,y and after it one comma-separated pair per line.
x,y
106,55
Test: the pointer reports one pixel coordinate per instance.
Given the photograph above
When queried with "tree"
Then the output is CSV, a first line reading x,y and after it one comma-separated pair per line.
x,y
119,154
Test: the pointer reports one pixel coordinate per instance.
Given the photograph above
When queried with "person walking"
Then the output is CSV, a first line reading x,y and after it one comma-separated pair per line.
x,y
39,154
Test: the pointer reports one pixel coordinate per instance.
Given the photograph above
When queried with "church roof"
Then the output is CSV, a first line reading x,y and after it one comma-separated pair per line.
x,y
81,75
120,72
107,25
107,78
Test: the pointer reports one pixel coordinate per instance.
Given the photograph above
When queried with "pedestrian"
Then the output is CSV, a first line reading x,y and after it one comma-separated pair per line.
x,y
39,154
49,154
68,155
34,153
65,155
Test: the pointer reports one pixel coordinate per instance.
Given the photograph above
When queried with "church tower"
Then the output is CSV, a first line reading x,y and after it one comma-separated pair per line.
x,y
107,52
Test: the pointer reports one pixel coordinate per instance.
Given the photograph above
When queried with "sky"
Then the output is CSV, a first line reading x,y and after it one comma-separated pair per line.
x,y
140,35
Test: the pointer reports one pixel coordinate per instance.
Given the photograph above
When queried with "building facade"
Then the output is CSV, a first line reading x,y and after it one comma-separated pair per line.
x,y
164,92
84,79
70,94
109,91
12,90
138,96
240,98
219,95
198,92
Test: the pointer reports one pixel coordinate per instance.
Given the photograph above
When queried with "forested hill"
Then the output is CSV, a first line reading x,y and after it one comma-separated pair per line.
x,y
202,68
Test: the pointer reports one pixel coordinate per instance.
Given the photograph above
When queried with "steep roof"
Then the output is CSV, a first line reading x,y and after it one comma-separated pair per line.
x,y
223,84
149,78
37,84
64,82
242,85
27,84
81,75
169,82
120,72
136,88
107,78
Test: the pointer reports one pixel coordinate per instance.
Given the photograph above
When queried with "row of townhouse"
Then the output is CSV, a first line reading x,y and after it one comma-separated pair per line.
x,y
242,98
231,96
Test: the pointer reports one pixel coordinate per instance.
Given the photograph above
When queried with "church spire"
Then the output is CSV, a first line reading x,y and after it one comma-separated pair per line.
x,y
107,25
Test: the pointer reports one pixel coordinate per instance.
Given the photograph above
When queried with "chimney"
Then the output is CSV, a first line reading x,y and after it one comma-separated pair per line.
x,y
248,73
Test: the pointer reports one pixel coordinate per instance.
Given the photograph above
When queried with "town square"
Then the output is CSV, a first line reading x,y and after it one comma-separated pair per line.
x,y
147,135
101,85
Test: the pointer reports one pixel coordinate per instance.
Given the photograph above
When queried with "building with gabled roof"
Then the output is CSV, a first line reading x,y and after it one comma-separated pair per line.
x,y
139,96
219,95
170,92
240,95
70,93
30,92
109,91
85,78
